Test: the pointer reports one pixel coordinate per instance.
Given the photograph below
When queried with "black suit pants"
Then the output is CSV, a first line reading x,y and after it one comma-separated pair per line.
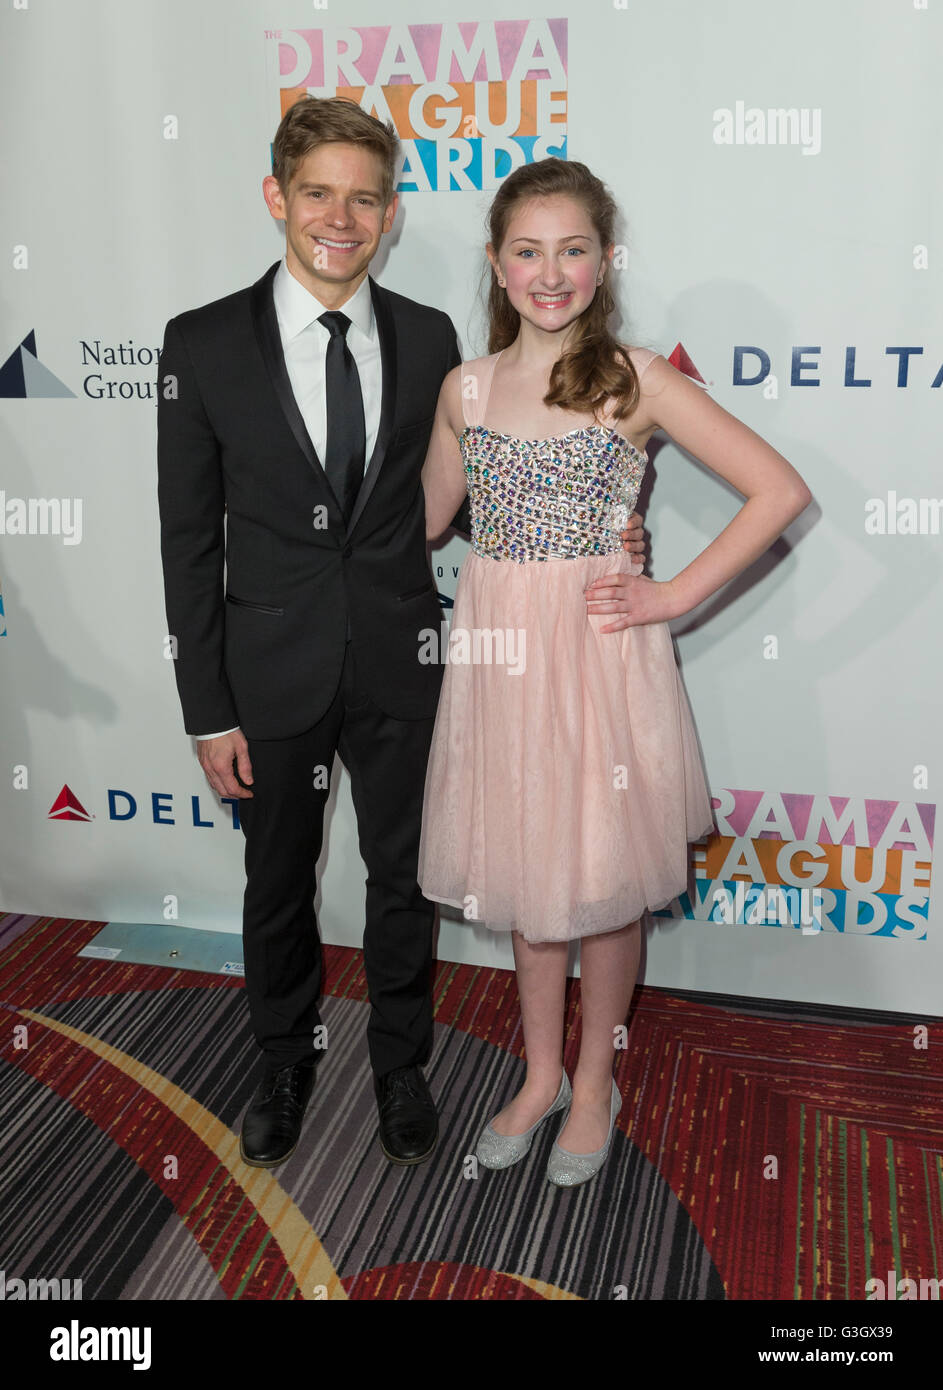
x,y
283,825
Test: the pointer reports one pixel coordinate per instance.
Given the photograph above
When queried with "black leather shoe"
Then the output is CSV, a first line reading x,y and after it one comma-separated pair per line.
x,y
409,1126
272,1124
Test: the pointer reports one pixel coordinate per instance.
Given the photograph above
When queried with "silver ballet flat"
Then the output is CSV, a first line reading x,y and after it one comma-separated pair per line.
x,y
495,1150
569,1170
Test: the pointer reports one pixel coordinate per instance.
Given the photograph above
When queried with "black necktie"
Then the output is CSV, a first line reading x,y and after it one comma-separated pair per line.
x,y
346,433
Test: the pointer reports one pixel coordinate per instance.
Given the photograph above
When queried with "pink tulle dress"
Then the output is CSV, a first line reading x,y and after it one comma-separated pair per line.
x,y
564,780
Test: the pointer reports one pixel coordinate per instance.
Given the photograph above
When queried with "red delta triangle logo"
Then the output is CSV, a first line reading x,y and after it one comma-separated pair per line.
x,y
68,807
679,358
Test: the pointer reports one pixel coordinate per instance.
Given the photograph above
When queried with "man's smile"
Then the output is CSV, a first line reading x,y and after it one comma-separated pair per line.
x,y
336,245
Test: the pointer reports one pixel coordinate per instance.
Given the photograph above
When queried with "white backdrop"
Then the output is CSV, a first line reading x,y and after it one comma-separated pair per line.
x,y
136,136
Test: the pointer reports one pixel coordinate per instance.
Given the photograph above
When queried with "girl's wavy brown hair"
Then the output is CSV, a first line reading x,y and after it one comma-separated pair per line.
x,y
595,368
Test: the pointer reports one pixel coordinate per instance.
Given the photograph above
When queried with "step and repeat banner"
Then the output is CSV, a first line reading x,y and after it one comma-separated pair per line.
x,y
777,167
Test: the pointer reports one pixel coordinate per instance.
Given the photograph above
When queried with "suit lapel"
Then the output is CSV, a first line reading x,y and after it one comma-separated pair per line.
x,y
270,343
387,335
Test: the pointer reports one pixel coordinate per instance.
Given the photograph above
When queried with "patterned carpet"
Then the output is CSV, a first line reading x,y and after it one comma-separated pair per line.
x,y
763,1151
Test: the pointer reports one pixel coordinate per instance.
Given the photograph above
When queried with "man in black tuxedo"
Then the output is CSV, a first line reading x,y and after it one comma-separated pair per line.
x,y
298,412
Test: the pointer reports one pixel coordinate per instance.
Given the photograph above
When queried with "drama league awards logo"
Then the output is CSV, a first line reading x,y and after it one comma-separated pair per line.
x,y
868,863
470,101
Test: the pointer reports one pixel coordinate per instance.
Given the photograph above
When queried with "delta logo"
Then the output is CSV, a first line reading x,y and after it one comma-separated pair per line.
x,y
157,808
681,360
68,807
897,367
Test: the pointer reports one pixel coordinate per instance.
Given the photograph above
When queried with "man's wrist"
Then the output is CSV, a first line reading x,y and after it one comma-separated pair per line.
x,y
201,738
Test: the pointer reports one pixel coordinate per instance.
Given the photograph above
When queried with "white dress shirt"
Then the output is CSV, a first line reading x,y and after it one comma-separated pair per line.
x,y
304,343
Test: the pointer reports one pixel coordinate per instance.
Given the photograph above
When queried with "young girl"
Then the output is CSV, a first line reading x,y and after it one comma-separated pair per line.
x,y
564,780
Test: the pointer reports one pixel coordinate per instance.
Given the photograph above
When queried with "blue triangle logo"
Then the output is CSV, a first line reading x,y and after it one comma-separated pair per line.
x,y
23,376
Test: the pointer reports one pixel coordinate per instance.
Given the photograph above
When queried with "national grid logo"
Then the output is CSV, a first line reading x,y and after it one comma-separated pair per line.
x,y
118,372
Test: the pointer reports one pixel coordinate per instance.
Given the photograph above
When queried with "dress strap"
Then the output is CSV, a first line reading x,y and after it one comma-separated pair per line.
x,y
477,376
642,359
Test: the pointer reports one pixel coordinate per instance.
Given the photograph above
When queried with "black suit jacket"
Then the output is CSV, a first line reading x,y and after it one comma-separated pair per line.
x,y
239,479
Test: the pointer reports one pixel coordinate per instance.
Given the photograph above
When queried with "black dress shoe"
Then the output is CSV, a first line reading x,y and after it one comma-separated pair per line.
x,y
272,1124
409,1126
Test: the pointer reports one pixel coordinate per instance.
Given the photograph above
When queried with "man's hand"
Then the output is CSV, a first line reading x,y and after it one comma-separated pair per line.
x,y
632,538
216,757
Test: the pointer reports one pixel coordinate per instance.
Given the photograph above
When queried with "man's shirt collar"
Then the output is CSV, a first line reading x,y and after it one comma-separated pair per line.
x,y
297,307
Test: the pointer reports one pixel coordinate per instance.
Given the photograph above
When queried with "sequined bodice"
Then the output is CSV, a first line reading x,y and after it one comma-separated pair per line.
x,y
558,498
